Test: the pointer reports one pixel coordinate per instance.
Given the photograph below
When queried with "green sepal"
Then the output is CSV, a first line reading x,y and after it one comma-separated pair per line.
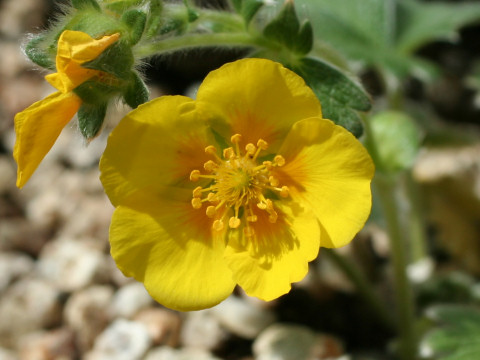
x,y
82,4
250,8
90,119
154,20
192,14
121,5
135,20
339,95
94,92
116,60
38,55
285,29
136,93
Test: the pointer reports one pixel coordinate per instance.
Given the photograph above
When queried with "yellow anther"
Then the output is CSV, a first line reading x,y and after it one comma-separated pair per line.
x,y
279,160
196,203
252,218
262,205
269,205
273,181
235,139
210,211
210,149
228,153
262,144
195,175
285,191
211,197
268,165
250,148
217,225
197,192
234,222
210,165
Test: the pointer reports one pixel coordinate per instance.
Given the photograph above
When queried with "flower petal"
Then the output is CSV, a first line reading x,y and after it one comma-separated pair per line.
x,y
277,256
75,48
157,144
257,98
37,129
170,247
328,170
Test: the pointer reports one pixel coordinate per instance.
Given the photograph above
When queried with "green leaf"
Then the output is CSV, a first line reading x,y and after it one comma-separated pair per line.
x,y
458,337
237,5
81,4
422,22
154,21
135,20
386,33
285,29
338,94
90,119
393,141
136,93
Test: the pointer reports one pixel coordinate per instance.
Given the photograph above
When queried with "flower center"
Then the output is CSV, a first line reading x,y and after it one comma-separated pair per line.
x,y
239,182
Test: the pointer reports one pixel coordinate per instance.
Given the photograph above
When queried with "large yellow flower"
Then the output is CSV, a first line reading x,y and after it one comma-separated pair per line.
x,y
241,186
38,127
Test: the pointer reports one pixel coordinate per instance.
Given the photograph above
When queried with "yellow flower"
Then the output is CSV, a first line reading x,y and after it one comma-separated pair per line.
x,y
241,186
38,127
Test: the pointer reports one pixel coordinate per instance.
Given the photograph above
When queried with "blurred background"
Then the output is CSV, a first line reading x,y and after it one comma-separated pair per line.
x,y
61,296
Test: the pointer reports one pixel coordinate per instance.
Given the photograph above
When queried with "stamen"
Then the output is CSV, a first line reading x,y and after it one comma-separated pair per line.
x,y
234,222
273,181
228,153
195,175
235,139
250,149
262,144
279,160
210,211
217,225
197,192
196,203
238,181
210,166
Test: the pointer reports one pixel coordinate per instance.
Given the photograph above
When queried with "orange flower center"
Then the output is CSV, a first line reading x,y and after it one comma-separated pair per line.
x,y
239,183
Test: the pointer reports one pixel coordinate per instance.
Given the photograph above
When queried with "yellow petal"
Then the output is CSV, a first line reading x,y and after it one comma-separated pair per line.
x,y
328,170
157,144
278,255
75,48
257,98
38,127
170,247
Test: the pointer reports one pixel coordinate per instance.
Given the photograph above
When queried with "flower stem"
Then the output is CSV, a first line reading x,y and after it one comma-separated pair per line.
x,y
356,276
189,41
403,289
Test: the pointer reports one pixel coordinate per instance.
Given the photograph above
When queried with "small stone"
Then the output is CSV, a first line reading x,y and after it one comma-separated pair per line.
x,y
72,264
13,266
199,323
129,299
18,234
163,325
168,353
293,342
122,340
86,312
28,305
7,354
47,345
241,317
